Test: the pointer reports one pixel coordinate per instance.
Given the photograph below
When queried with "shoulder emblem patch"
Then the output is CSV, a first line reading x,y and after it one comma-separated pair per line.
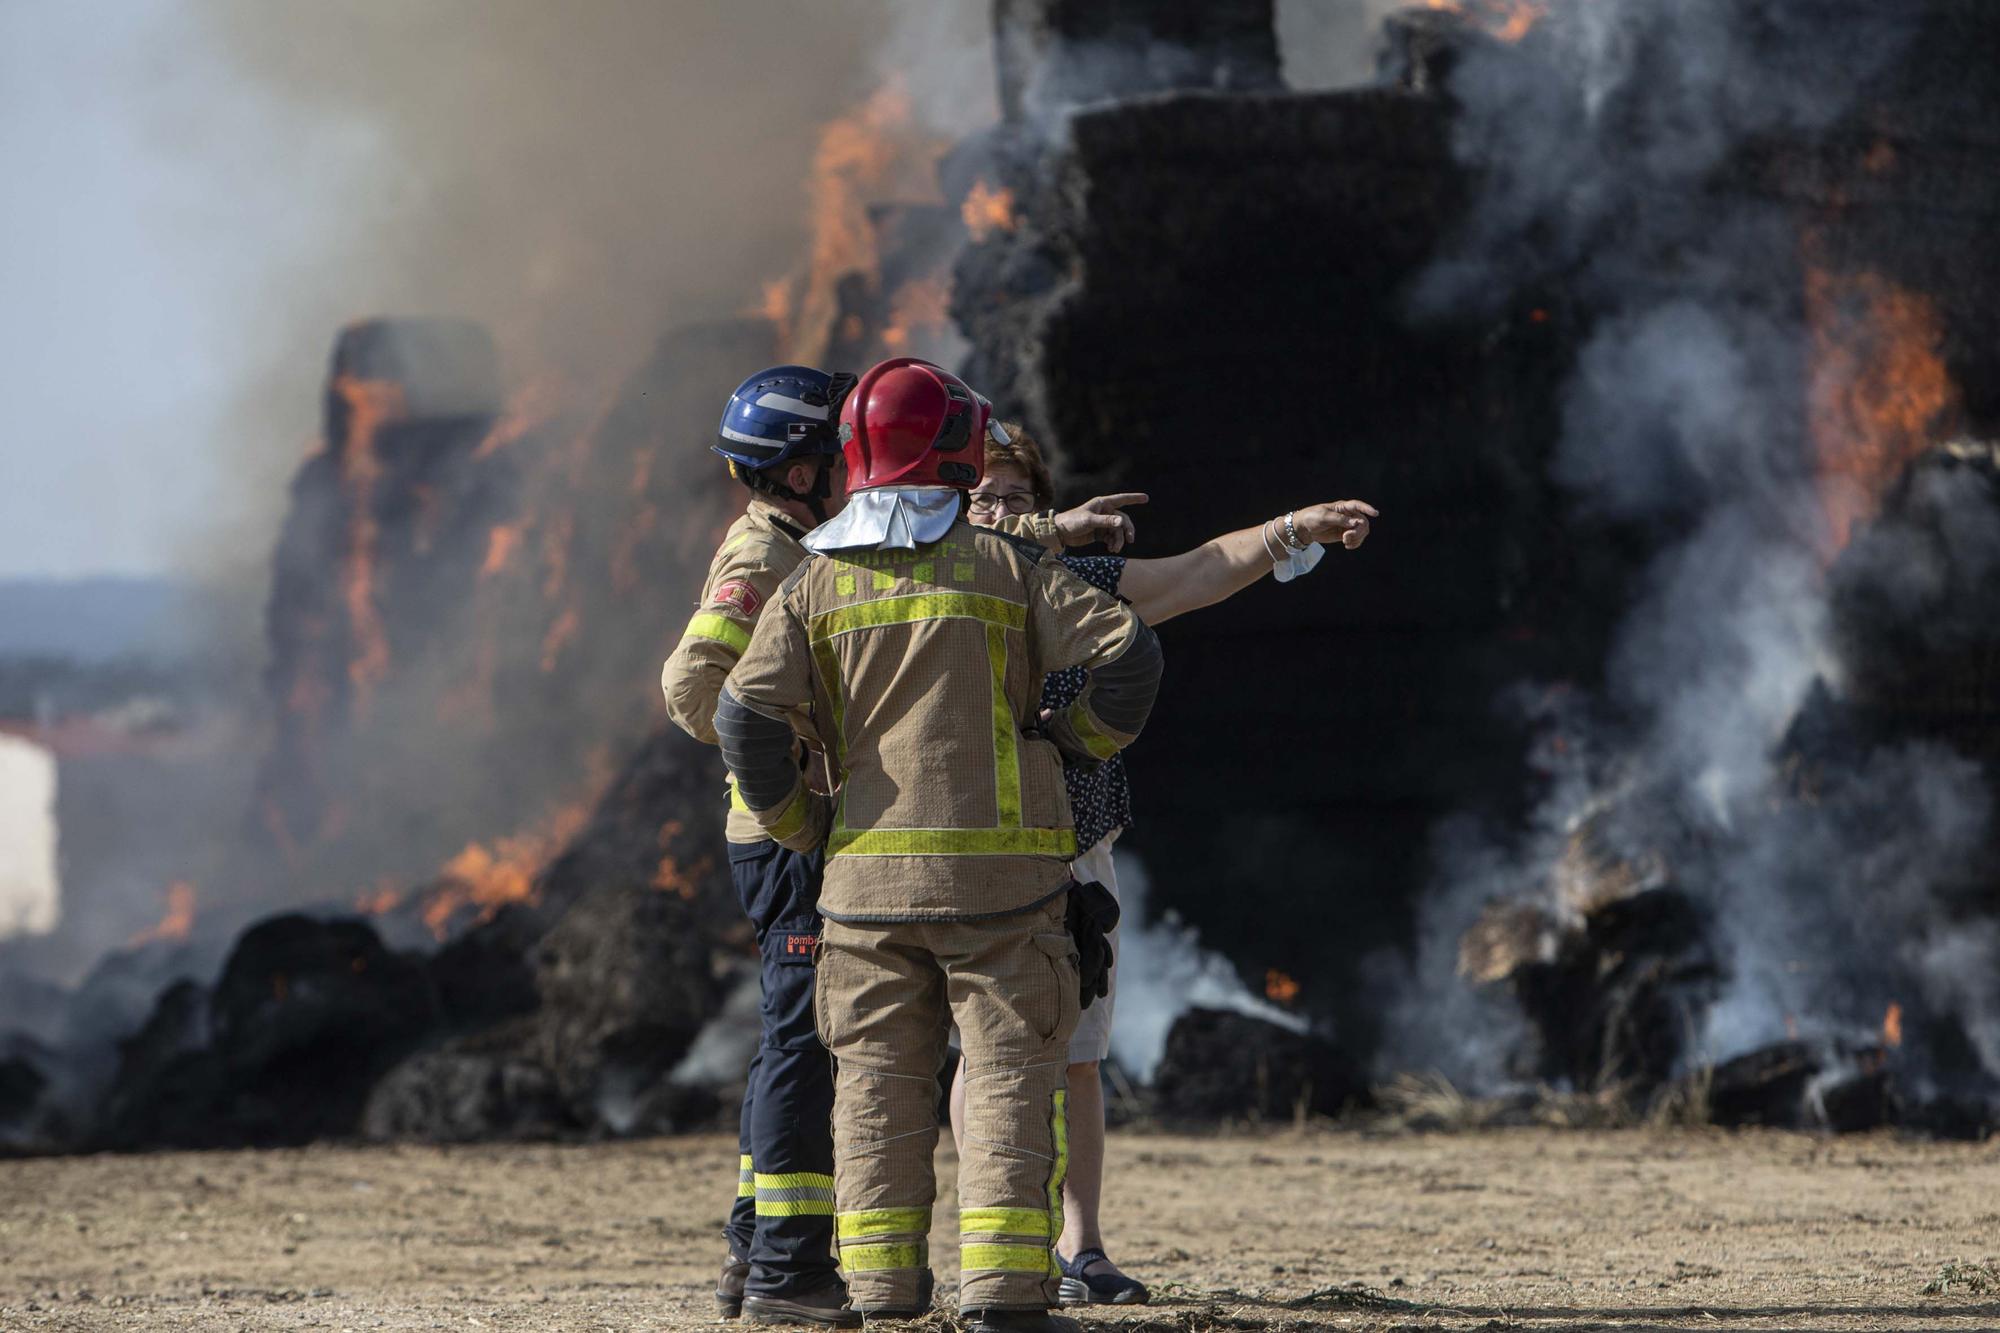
x,y
738,595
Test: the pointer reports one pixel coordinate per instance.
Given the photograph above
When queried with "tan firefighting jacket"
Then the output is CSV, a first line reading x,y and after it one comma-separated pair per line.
x,y
923,669
759,552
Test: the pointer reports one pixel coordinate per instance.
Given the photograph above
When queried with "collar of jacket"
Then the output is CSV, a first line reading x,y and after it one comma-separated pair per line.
x,y
888,518
776,517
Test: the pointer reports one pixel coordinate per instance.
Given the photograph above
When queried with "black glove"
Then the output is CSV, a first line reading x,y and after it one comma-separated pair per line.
x,y
1092,916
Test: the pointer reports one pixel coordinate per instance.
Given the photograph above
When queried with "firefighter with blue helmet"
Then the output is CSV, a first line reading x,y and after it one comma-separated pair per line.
x,y
777,435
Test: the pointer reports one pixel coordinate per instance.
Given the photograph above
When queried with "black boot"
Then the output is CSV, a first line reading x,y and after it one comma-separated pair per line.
x,y
729,1286
1018,1321
822,1304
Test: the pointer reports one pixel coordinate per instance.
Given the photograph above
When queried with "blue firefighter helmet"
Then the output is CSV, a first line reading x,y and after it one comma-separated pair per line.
x,y
779,416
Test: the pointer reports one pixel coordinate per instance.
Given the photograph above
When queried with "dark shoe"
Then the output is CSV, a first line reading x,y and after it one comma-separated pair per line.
x,y
917,1311
729,1286
1018,1321
822,1305
1079,1287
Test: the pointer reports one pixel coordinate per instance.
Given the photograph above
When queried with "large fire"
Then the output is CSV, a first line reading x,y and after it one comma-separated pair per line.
x,y
875,155
177,922
1878,392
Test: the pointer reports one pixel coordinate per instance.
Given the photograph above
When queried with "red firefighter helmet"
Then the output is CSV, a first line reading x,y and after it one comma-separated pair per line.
x,y
910,423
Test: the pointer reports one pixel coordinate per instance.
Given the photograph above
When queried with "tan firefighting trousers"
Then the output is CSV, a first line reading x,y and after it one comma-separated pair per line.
x,y
887,995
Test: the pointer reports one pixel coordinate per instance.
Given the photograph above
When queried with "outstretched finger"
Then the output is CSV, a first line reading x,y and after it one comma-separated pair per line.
x,y
1356,507
1120,500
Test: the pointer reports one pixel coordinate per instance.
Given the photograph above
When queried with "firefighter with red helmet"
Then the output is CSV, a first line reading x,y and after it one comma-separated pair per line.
x,y
777,435
917,644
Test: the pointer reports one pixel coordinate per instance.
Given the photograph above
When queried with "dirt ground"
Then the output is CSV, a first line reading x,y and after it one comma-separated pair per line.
x,y
1283,1231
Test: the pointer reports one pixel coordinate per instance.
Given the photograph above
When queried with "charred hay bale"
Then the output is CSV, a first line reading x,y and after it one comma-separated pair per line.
x,y
485,1086
32,1118
306,1016
626,986
1618,1002
1915,602
1054,54
1219,1064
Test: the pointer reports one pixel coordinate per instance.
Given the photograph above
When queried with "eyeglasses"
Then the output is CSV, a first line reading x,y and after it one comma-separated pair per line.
x,y
1015,502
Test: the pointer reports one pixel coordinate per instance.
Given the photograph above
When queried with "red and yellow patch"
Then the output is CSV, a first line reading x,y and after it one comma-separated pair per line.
x,y
738,596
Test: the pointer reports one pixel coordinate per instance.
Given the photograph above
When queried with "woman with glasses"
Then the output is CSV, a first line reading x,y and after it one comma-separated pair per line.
x,y
1017,482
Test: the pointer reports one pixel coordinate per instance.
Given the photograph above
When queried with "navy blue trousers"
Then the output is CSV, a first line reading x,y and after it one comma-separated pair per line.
x,y
783,1218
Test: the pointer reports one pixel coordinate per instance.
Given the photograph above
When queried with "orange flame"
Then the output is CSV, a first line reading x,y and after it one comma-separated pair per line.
x,y
558,638
987,210
177,922
777,307
920,305
1892,1026
1279,988
383,899
1508,20
500,544
874,153
1878,391
490,878
371,404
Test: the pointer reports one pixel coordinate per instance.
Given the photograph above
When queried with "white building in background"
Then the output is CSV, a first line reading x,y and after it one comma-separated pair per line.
x,y
30,891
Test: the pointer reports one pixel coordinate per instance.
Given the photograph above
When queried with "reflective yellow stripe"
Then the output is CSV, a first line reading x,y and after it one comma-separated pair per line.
x,y
1005,1258
883,1222
746,1179
829,678
794,817
1004,1222
1058,1172
709,625
733,543
745,1190
794,1180
875,1258
795,1207
1006,755
953,842
745,1162
920,606
1100,745
736,802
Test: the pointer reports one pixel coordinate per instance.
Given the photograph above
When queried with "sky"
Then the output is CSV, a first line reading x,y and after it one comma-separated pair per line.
x,y
121,261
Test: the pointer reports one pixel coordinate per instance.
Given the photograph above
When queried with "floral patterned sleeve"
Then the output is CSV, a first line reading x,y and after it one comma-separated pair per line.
x,y
1100,801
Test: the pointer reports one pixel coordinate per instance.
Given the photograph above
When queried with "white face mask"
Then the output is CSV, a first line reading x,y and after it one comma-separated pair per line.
x,y
1296,563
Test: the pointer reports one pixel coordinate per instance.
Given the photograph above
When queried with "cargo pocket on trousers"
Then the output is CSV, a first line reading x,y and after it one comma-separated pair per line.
x,y
1060,950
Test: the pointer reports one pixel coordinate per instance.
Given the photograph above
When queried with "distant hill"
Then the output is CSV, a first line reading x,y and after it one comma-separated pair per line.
x,y
97,619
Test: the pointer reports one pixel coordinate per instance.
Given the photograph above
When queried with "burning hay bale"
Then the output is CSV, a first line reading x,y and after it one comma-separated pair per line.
x,y
1613,967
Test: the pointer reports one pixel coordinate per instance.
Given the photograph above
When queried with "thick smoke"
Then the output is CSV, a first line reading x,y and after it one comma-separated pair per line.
x,y
578,179
1598,141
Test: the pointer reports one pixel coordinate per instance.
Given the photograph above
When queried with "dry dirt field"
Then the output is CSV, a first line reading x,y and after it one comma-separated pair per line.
x,y
1285,1232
